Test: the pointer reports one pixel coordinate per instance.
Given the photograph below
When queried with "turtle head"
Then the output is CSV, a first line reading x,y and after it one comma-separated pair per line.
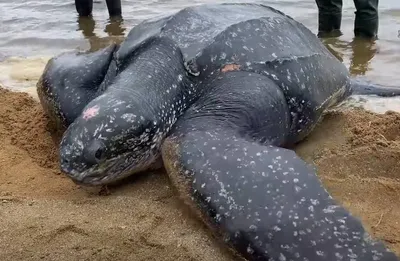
x,y
112,139
120,132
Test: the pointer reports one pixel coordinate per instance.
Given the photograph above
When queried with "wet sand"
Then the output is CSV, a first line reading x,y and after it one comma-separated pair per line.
x,y
45,216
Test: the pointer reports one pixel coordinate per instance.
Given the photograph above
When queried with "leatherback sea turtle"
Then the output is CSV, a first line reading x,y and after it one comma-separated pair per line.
x,y
218,92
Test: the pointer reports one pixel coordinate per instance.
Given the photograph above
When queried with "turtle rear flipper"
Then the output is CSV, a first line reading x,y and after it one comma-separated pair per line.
x,y
70,81
361,86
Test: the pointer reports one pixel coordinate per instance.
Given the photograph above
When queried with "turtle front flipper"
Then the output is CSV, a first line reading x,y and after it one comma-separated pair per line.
x,y
71,80
262,200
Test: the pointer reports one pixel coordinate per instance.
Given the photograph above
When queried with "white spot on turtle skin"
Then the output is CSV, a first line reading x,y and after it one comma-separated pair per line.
x,y
129,117
250,250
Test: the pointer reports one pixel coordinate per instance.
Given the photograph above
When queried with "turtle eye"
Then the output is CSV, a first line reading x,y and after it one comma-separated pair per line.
x,y
99,154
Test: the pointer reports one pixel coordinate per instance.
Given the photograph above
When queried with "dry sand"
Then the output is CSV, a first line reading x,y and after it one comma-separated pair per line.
x,y
44,216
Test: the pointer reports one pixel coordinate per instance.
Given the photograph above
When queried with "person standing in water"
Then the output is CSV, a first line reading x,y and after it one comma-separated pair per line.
x,y
85,7
330,18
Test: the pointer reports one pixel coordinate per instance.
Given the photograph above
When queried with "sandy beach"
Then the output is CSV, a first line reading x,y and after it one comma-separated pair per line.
x,y
45,216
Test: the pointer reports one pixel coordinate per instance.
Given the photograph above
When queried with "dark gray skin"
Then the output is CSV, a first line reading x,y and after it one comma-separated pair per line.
x,y
123,131
218,91
70,81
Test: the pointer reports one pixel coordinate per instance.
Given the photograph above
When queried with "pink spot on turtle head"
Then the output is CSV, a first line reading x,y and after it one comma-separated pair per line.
x,y
91,112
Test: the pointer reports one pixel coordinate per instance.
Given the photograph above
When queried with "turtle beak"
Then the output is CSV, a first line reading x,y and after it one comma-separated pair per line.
x,y
82,178
87,180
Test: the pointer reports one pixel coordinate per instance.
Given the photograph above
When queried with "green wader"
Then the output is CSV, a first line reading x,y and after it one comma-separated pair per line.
x,y
330,17
85,7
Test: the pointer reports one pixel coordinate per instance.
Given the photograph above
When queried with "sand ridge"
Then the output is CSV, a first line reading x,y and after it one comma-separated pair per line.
x,y
45,216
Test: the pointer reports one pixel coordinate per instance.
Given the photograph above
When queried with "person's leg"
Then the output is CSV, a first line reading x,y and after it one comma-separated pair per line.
x,y
329,17
84,7
366,22
114,8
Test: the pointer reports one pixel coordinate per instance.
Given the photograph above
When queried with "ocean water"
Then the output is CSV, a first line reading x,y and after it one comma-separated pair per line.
x,y
31,31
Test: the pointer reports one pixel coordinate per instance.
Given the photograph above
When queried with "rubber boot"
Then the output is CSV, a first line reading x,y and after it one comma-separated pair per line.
x,y
366,22
114,8
329,17
84,7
